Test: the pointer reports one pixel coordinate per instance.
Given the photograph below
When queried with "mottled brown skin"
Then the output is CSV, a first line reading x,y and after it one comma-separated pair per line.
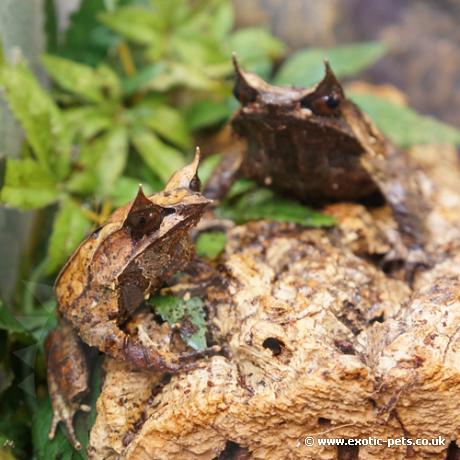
x,y
67,374
114,270
316,145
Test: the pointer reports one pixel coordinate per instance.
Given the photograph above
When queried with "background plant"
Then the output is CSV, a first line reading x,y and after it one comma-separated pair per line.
x,y
133,83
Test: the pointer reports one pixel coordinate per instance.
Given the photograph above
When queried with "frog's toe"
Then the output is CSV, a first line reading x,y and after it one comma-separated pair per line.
x,y
407,260
199,353
64,412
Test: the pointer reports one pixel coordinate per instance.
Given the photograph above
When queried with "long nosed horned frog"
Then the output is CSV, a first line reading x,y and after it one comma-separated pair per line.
x,y
112,272
317,145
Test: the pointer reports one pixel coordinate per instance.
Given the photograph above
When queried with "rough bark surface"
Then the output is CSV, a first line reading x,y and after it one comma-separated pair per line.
x,y
318,341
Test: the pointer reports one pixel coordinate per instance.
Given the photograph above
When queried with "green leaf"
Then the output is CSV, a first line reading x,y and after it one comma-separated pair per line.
x,y
210,244
76,78
125,189
39,116
89,121
141,78
204,113
163,119
109,82
41,321
207,166
240,187
14,425
137,24
169,124
306,67
113,154
254,43
69,228
85,39
177,74
222,20
28,185
6,377
262,203
159,157
8,322
403,125
189,313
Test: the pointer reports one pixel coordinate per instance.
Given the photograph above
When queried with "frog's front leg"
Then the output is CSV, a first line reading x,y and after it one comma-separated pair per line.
x,y
99,327
398,182
67,374
225,174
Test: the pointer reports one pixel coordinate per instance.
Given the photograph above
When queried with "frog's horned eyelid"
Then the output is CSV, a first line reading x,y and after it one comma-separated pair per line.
x,y
197,158
236,64
243,90
330,80
140,197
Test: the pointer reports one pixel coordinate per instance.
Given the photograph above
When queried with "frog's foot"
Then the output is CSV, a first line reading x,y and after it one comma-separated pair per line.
x,y
175,362
64,411
410,260
67,375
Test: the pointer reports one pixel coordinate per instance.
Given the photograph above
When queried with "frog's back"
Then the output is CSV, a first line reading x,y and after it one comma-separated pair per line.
x,y
76,274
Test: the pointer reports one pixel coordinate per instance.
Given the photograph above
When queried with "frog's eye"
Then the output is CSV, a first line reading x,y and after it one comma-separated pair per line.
x,y
144,217
195,184
323,105
144,221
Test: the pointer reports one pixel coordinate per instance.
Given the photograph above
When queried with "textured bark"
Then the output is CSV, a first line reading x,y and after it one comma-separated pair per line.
x,y
318,341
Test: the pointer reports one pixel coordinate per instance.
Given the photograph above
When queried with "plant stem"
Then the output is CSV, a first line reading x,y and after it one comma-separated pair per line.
x,y
126,59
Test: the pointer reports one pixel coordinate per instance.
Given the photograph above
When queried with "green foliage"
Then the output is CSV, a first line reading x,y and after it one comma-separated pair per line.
x,y
306,67
79,79
69,228
191,43
208,113
210,244
249,203
86,40
9,323
162,159
39,116
28,185
189,313
403,125
207,166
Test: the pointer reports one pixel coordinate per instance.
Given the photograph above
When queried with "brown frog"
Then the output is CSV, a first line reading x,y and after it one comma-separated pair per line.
x,y
317,145
111,273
